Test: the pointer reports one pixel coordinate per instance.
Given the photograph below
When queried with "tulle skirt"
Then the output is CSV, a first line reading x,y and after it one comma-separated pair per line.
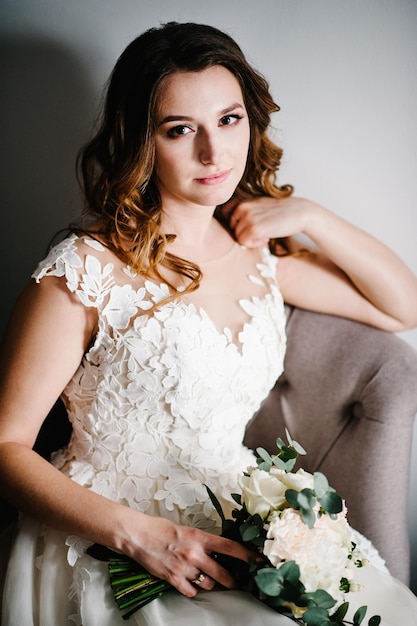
x,y
42,589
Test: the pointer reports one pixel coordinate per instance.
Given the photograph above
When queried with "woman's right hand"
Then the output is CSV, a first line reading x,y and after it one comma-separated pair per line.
x,y
179,554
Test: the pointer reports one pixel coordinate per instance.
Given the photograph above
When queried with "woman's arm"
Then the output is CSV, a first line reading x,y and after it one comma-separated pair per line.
x,y
48,335
351,274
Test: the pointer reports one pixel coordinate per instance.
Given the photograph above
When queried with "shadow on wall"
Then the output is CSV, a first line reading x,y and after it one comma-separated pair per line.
x,y
45,115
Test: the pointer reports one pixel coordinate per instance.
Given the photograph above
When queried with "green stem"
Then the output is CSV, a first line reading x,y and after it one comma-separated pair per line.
x,y
119,581
148,584
155,592
140,605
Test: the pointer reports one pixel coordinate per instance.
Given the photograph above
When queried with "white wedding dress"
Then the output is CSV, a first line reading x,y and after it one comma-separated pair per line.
x,y
159,407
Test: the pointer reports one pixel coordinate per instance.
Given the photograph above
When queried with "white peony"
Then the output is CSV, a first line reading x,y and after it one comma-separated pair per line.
x,y
320,552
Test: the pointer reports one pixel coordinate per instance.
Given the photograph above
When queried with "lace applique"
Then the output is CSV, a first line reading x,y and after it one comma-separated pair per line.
x,y
77,548
123,304
62,260
158,292
96,282
93,243
268,268
81,577
129,272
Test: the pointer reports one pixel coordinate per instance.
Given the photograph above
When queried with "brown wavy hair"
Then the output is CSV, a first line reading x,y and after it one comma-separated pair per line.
x,y
117,166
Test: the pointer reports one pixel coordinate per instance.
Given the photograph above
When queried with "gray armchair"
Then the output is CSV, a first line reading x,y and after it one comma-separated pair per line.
x,y
349,396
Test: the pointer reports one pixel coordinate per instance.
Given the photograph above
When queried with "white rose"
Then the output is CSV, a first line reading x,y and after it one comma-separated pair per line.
x,y
298,481
262,492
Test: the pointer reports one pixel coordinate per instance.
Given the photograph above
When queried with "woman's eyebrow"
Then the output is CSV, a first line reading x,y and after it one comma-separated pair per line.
x,y
186,118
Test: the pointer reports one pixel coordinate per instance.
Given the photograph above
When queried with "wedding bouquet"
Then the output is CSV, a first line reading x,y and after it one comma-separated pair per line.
x,y
297,525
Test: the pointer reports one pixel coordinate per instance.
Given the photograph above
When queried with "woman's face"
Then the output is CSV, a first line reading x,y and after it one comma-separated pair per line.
x,y
202,138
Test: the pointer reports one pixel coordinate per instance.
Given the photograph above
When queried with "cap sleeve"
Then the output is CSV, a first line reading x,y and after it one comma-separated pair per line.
x,y
79,262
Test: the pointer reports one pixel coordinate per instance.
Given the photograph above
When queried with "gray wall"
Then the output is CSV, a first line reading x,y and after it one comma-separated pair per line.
x,y
343,72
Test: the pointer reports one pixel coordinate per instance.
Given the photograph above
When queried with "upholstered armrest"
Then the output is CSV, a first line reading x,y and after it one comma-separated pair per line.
x,y
349,396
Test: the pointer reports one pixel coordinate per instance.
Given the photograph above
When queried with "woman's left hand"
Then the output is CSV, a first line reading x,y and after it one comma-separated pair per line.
x,y
255,222
348,273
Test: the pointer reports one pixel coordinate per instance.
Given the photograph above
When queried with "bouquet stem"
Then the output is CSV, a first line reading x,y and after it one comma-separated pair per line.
x,y
132,585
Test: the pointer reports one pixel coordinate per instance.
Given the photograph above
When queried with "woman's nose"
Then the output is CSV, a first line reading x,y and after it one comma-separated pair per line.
x,y
210,148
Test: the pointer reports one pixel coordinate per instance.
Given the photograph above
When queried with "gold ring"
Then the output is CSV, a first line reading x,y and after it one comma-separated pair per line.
x,y
199,579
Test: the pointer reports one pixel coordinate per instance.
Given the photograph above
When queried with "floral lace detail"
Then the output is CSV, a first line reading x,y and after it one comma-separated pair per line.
x,y
81,577
160,402
63,260
77,547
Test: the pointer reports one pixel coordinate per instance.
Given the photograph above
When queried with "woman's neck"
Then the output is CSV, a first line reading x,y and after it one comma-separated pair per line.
x,y
199,238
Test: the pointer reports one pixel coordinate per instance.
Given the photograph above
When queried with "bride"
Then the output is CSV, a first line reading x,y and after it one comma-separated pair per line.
x,y
160,322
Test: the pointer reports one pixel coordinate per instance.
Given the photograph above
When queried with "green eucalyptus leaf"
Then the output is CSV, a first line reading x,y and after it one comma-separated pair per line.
x,y
374,621
331,502
269,581
287,453
306,498
319,598
321,484
289,465
280,463
359,615
258,521
316,617
249,531
297,447
341,612
308,517
288,436
291,497
263,465
289,571
258,541
264,455
280,443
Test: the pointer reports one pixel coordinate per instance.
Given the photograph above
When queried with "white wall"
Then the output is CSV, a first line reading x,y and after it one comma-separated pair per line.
x,y
344,74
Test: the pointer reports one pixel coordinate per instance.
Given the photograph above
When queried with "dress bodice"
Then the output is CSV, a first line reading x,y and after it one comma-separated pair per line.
x,y
160,402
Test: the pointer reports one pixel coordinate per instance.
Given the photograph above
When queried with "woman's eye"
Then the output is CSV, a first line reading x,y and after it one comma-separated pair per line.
x,y
178,131
228,120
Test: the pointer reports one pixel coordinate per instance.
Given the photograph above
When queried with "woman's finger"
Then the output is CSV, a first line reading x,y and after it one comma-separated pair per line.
x,y
203,581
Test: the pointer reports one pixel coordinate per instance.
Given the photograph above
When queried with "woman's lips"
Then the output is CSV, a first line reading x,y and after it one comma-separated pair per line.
x,y
214,179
